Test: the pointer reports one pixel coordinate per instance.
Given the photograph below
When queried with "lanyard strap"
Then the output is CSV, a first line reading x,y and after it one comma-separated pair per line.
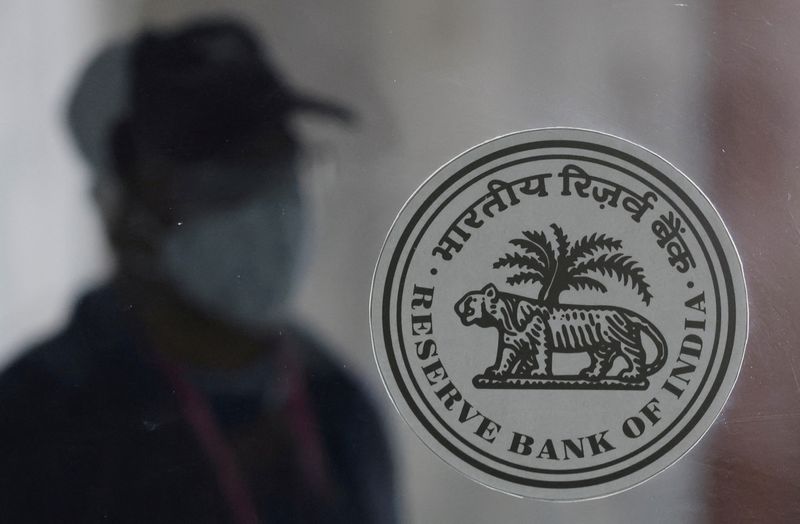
x,y
301,420
197,413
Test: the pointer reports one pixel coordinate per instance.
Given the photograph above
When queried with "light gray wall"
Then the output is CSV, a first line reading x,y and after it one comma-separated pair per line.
x,y
50,241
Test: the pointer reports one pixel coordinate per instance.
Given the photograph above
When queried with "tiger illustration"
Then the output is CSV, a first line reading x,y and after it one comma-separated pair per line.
x,y
530,331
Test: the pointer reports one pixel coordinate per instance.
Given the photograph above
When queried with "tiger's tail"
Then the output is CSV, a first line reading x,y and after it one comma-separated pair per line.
x,y
647,327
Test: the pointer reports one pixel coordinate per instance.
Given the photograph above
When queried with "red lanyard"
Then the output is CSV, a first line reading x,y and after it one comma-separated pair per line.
x,y
197,413
302,424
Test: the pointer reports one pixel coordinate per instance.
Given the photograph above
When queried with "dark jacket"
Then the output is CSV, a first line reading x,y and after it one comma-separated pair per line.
x,y
92,429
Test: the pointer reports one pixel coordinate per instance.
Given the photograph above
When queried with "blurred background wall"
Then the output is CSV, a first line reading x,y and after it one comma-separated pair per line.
x,y
428,79
50,241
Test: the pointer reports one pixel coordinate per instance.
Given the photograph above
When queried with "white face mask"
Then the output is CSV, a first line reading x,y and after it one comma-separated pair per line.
x,y
239,264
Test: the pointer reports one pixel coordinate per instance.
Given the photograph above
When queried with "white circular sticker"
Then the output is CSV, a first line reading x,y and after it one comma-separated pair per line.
x,y
559,313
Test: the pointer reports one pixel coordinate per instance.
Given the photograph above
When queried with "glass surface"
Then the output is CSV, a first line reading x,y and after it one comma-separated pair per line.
x,y
229,208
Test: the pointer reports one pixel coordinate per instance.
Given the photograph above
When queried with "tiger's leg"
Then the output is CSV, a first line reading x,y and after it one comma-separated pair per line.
x,y
524,366
525,361
518,365
541,342
506,356
601,359
635,357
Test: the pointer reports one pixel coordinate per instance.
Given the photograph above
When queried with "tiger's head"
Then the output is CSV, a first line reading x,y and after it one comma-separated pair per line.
x,y
478,307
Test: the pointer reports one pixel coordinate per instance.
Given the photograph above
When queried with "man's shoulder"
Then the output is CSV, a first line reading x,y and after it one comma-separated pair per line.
x,y
46,366
328,374
358,442
340,395
65,365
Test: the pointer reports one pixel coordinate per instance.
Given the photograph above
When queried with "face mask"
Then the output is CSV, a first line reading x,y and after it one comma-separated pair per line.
x,y
239,264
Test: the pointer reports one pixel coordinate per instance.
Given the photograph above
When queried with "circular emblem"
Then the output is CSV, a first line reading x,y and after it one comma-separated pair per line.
x,y
559,313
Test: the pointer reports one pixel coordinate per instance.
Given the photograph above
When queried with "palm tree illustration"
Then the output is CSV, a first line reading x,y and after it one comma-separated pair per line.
x,y
559,265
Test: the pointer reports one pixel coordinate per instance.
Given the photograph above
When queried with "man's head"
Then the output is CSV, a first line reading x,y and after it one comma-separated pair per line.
x,y
189,134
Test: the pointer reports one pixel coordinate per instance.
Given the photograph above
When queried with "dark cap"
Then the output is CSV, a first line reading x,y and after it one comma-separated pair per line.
x,y
207,84
187,90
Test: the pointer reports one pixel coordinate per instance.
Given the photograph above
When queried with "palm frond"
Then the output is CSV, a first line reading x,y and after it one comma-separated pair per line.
x,y
537,237
562,242
535,243
519,260
540,240
591,245
623,267
578,283
523,277
535,250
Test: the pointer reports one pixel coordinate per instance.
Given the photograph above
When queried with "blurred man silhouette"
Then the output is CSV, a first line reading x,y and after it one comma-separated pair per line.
x,y
181,392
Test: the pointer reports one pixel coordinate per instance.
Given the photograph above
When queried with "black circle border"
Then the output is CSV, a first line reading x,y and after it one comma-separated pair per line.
x,y
725,269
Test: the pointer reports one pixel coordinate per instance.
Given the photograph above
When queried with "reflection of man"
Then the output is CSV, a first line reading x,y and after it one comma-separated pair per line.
x,y
180,393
